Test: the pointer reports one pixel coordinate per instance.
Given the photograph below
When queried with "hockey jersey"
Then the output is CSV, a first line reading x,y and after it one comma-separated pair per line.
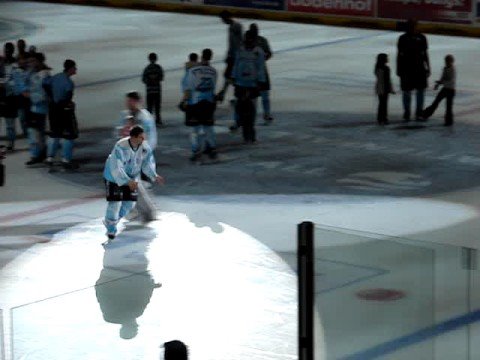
x,y
126,163
38,95
201,82
249,68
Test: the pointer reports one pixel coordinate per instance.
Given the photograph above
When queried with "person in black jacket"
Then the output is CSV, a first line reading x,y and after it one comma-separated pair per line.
x,y
383,87
413,68
152,78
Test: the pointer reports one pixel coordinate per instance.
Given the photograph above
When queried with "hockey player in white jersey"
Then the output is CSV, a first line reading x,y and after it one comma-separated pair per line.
x,y
199,94
136,115
130,157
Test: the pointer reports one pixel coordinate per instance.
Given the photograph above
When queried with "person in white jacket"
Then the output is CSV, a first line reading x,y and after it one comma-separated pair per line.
x,y
135,114
130,157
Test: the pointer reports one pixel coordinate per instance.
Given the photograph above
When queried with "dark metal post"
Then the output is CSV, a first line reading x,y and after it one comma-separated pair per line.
x,y
305,257
2,166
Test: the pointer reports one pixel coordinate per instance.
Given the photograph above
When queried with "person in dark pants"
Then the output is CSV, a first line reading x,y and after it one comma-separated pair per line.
x,y
448,80
383,87
63,124
8,106
235,37
199,99
152,78
262,42
249,75
413,68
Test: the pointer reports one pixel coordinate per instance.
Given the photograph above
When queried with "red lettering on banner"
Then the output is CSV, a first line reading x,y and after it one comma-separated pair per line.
x,y
453,11
334,7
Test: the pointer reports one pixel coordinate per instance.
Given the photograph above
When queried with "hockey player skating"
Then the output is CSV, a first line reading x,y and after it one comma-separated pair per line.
x,y
136,115
130,157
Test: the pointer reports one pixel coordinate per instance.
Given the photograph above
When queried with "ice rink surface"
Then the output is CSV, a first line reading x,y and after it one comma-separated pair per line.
x,y
223,248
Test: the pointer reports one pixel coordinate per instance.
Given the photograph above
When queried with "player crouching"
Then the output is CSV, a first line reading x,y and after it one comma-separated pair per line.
x,y
129,158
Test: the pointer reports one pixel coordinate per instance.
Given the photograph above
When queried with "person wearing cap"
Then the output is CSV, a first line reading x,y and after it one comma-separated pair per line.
x,y
63,124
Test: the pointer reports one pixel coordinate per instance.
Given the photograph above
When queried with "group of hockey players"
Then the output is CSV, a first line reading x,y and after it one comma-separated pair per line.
x,y
29,93
132,158
245,69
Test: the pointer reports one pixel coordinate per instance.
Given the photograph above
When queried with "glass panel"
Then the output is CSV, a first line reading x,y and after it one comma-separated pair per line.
x,y
392,298
2,337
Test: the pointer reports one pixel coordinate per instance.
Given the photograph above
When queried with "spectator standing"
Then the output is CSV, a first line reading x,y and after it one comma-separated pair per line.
x,y
262,43
448,80
38,109
383,87
152,77
249,76
413,68
234,42
63,123
200,96
8,108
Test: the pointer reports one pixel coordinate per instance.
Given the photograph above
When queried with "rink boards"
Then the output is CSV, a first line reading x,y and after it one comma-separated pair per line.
x,y
460,18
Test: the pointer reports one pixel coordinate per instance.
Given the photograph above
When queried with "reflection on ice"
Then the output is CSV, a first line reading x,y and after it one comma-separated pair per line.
x,y
223,293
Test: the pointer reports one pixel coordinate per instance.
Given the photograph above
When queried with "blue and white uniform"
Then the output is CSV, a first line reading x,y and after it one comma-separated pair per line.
x,y
123,165
201,82
38,95
126,163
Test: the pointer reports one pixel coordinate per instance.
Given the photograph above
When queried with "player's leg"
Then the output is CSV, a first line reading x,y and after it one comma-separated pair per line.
x,y
112,217
211,141
150,101
450,94
125,208
429,111
67,148
156,106
267,116
196,144
407,104
420,103
11,132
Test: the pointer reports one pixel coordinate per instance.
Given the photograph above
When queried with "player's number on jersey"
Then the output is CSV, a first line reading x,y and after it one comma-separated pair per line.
x,y
206,84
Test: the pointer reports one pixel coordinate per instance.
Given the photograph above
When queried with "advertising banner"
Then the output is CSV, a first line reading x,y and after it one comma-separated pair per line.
x,y
452,11
334,7
254,4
